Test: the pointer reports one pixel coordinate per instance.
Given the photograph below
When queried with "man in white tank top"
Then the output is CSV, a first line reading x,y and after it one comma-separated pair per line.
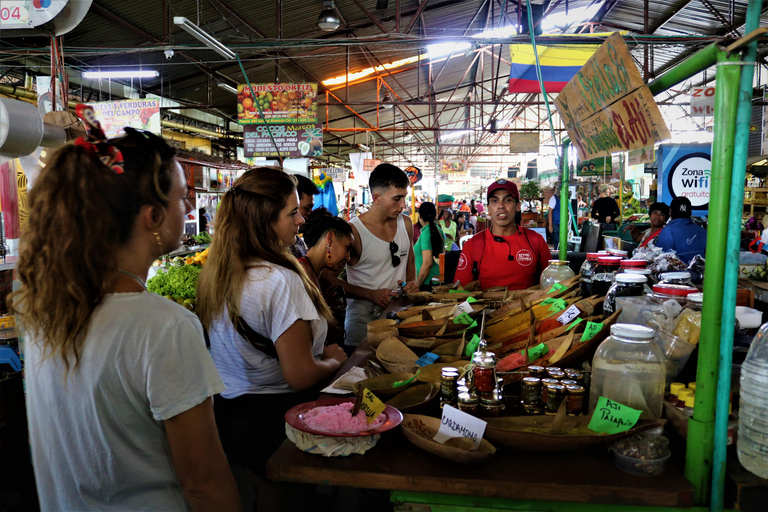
x,y
382,259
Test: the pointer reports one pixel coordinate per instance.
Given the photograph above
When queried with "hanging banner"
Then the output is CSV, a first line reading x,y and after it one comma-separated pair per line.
x,y
702,101
369,164
606,107
596,167
143,114
523,142
641,156
453,166
292,140
337,174
686,171
280,103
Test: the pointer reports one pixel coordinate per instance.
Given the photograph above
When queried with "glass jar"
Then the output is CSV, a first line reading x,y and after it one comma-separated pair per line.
x,y
557,272
625,265
468,403
484,372
492,405
618,252
680,278
555,397
587,271
694,301
531,391
448,378
629,368
649,279
663,292
575,399
607,267
626,285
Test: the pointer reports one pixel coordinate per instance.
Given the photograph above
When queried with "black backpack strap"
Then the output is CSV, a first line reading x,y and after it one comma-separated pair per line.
x,y
259,342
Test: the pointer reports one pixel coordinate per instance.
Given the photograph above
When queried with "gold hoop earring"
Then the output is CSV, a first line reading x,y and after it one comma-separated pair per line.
x,y
157,237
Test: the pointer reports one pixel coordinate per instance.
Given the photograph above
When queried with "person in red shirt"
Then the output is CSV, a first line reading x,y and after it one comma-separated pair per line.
x,y
506,254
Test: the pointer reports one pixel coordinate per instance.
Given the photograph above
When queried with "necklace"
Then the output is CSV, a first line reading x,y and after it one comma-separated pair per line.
x,y
133,276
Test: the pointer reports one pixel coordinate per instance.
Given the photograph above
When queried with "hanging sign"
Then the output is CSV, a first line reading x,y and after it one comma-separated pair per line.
x,y
453,166
686,170
606,107
337,174
413,173
596,167
702,101
293,140
114,116
645,155
280,103
369,164
524,142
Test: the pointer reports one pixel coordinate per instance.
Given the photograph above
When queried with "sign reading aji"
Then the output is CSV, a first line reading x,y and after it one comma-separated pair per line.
x,y
606,107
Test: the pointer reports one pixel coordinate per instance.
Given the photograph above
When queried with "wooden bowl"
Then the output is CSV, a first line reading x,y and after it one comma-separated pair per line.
x,y
381,385
528,433
378,334
414,397
420,430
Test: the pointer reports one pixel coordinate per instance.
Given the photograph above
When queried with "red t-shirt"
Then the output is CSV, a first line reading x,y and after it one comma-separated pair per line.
x,y
531,256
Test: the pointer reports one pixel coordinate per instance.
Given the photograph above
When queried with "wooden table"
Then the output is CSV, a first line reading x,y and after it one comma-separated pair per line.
x,y
586,476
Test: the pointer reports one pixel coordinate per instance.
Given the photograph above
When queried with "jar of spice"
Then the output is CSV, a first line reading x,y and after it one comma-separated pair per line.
x,y
694,301
625,285
587,271
607,267
484,372
557,272
448,378
492,405
680,278
468,403
645,272
632,265
555,397
537,371
575,404
545,383
665,291
674,389
531,391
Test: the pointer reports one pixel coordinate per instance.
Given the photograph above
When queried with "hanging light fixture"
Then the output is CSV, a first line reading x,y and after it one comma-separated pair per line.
x,y
328,20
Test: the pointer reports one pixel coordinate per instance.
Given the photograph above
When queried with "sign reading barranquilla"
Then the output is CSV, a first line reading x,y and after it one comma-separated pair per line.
x,y
606,107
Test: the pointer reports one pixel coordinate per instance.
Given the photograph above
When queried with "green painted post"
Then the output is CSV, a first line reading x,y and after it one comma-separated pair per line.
x,y
741,148
564,203
701,426
697,62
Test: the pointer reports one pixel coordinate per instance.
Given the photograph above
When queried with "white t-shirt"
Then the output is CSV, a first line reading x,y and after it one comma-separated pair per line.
x,y
273,299
98,439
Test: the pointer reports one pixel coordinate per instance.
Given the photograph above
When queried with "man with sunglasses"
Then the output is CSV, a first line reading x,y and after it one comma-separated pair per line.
x,y
382,261
504,254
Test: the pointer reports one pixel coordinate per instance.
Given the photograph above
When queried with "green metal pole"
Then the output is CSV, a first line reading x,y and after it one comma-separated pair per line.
x,y
564,203
697,62
701,426
741,148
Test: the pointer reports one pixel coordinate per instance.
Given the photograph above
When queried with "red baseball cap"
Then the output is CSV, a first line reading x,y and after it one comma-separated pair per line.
x,y
506,185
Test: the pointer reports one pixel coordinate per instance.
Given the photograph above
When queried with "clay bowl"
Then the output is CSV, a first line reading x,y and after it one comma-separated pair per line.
x,y
415,397
382,385
420,430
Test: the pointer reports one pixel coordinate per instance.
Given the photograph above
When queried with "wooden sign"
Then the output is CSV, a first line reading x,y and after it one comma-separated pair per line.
x,y
606,107
524,142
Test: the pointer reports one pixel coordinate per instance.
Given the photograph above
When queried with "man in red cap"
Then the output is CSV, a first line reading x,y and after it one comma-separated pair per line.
x,y
505,254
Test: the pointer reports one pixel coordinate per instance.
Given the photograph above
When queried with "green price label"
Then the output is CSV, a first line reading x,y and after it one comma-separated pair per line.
x,y
590,331
558,305
548,301
538,351
457,291
472,345
612,417
556,288
574,324
463,319
471,300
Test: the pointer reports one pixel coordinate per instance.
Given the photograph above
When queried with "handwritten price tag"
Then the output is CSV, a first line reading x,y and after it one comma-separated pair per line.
x,y
463,319
538,351
371,406
427,358
612,417
570,313
590,331
558,305
465,307
557,287
471,300
472,345
456,423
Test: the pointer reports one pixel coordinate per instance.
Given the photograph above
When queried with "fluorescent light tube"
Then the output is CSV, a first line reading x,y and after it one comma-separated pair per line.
x,y
228,88
204,37
120,74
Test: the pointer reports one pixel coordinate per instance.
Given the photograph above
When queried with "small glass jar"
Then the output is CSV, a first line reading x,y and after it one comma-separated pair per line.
x,y
531,391
632,265
492,405
575,404
674,389
545,383
484,372
555,397
681,278
587,271
448,377
607,267
557,272
694,301
645,272
468,403
690,401
537,371
625,285
618,252
569,382
630,369
664,292
681,396
692,385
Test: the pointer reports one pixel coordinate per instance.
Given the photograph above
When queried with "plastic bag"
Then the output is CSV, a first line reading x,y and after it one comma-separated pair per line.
x,y
665,318
688,326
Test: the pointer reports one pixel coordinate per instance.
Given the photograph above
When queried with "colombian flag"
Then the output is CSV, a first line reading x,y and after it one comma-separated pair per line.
x,y
559,63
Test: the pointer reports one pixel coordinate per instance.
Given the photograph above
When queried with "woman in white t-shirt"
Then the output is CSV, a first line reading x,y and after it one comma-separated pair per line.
x,y
118,380
266,320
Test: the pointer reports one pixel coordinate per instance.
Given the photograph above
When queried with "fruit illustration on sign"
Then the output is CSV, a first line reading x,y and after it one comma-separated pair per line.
x,y
304,147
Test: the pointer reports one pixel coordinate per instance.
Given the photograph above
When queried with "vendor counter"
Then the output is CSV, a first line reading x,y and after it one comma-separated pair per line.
x,y
552,481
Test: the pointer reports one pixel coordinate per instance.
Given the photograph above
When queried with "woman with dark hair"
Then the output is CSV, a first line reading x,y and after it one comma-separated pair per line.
x,y
428,246
266,319
118,380
449,228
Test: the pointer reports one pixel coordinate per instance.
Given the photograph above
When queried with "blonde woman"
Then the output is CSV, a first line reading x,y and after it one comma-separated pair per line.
x,y
118,379
267,321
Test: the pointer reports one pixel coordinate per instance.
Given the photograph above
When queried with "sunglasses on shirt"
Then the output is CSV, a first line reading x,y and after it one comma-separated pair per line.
x,y
393,248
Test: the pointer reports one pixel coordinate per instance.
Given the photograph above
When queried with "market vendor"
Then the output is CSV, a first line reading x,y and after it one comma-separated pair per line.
x,y
682,235
382,258
506,254
605,209
659,214
449,229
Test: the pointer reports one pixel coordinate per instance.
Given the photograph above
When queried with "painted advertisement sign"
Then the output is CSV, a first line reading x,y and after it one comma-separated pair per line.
x,y
453,166
702,101
280,103
595,167
142,114
524,142
606,107
686,171
292,140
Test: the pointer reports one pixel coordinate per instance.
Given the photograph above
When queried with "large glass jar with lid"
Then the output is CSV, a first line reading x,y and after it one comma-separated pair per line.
x,y
557,272
625,285
587,271
682,278
629,368
607,267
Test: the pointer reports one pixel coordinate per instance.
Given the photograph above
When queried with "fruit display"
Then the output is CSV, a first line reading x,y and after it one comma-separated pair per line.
x,y
177,281
758,273
279,103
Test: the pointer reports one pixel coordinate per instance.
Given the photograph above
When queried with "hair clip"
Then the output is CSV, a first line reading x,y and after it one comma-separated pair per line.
x,y
96,141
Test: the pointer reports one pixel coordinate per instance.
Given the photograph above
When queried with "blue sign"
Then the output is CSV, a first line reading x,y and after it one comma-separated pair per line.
x,y
686,170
